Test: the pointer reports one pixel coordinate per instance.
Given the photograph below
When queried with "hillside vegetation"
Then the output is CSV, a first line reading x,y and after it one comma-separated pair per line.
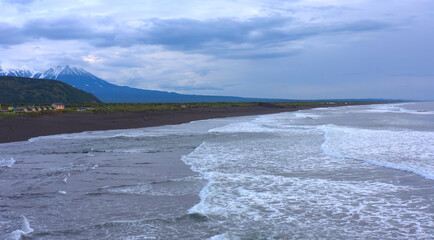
x,y
16,90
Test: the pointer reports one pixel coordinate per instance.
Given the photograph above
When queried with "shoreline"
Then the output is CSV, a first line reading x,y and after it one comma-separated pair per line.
x,y
23,128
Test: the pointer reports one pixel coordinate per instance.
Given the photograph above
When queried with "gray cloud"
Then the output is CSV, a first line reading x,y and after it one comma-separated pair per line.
x,y
62,29
22,2
72,28
264,37
190,34
11,35
254,38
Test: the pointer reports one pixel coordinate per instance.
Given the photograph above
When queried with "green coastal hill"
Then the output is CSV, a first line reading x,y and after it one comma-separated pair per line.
x,y
17,90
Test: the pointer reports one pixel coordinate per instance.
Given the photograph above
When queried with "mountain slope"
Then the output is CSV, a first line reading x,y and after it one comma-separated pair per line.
x,y
108,92
17,72
76,77
111,93
27,90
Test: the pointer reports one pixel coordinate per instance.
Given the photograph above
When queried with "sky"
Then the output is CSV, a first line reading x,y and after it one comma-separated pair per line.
x,y
295,49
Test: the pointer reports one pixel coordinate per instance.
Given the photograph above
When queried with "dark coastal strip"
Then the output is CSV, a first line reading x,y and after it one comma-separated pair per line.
x,y
23,128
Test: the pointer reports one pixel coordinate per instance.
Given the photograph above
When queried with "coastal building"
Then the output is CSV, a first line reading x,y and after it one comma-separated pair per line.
x,y
54,106
58,106
22,109
32,109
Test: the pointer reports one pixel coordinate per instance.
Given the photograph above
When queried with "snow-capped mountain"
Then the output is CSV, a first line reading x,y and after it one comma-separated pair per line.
x,y
107,92
15,72
64,70
77,77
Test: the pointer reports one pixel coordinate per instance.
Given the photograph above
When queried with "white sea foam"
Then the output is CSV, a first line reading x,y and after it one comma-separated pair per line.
x,y
254,179
23,232
273,123
91,135
129,150
7,162
140,237
248,194
273,180
195,127
403,150
223,236
397,108
242,127
305,115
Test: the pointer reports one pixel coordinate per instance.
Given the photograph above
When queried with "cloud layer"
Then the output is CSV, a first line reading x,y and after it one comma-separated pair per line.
x,y
249,48
223,37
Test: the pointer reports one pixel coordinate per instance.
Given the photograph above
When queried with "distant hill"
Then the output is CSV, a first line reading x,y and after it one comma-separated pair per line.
x,y
28,90
112,93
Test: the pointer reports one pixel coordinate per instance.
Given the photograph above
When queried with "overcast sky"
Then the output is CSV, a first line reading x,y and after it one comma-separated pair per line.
x,y
302,49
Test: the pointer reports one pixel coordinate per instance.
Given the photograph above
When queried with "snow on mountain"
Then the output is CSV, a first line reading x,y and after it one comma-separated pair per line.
x,y
107,92
77,77
55,72
17,72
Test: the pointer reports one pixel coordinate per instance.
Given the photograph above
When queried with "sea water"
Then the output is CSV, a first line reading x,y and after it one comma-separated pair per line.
x,y
354,172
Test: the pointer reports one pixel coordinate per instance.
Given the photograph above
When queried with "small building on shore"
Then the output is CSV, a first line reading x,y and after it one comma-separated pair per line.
x,y
22,109
58,106
53,107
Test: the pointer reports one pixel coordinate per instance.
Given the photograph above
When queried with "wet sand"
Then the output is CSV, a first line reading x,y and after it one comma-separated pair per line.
x,y
23,128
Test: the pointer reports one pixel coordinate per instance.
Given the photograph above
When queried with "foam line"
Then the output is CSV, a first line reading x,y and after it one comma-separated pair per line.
x,y
393,138
7,162
23,232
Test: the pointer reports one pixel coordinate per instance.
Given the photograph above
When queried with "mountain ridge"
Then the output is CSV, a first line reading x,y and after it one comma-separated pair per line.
x,y
111,93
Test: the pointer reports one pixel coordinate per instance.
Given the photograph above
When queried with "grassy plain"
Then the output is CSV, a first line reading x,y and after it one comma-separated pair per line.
x,y
134,107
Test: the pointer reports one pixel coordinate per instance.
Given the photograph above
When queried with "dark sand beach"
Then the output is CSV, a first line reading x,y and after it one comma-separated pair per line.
x,y
23,128
268,174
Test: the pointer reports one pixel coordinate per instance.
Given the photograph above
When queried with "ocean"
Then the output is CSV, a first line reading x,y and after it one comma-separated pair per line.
x,y
352,172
